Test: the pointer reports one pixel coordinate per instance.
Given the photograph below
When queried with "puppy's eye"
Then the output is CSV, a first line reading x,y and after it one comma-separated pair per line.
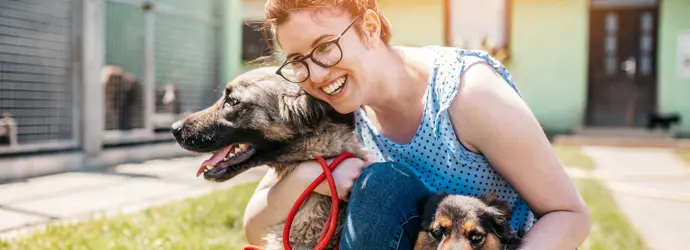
x,y
438,233
476,238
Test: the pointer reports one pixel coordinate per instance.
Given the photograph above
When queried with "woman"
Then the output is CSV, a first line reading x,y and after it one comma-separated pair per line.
x,y
450,119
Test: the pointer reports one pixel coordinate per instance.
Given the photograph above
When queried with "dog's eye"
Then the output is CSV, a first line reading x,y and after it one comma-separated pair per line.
x,y
476,238
438,233
231,101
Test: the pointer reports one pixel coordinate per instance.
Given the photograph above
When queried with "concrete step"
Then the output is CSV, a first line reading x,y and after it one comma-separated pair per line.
x,y
620,141
625,132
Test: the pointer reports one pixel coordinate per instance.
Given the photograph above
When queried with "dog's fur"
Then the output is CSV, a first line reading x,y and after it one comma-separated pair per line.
x,y
451,221
285,126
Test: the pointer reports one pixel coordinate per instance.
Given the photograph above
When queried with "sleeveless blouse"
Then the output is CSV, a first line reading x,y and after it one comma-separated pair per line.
x,y
435,154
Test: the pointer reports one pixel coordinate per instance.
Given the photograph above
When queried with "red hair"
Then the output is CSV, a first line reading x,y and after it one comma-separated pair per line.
x,y
278,11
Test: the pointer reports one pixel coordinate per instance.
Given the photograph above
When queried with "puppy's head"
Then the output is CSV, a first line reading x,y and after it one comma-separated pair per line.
x,y
462,222
258,114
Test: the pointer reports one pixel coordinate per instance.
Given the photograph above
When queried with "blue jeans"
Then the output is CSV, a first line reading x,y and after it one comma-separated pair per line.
x,y
382,209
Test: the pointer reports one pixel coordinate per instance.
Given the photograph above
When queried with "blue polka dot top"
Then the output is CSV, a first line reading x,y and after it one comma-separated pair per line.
x,y
435,153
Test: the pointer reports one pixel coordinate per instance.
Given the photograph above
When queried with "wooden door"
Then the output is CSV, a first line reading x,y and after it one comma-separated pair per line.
x,y
622,67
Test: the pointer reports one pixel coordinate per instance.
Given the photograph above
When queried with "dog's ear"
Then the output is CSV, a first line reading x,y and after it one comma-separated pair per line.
x,y
491,200
498,215
427,206
301,110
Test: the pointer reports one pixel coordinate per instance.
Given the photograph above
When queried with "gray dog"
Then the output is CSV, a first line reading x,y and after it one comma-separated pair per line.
x,y
261,119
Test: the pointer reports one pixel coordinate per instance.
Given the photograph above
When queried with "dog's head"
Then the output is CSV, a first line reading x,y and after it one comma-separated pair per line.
x,y
452,221
258,114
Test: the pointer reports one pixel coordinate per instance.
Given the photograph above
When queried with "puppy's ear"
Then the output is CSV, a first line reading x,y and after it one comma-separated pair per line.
x,y
427,207
491,200
497,215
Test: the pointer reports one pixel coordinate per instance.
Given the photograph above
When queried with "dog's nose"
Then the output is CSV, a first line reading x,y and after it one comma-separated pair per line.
x,y
176,127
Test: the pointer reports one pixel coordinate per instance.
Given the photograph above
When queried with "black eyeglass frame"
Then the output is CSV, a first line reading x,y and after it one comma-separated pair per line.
x,y
302,60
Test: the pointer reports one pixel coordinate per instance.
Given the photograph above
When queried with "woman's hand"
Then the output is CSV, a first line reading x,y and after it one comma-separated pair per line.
x,y
344,175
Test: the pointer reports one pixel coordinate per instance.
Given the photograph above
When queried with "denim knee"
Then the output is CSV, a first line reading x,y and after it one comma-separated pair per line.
x,y
382,208
381,174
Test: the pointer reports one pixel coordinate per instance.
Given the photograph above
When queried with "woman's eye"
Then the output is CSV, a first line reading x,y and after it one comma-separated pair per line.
x,y
323,48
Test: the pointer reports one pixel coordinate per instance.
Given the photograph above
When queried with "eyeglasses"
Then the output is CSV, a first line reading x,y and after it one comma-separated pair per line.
x,y
326,55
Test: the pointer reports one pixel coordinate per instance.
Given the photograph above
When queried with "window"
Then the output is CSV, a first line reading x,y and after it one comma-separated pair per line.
x,y
470,22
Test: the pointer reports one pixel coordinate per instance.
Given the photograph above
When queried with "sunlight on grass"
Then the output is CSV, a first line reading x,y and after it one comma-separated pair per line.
x,y
210,222
572,156
684,154
611,230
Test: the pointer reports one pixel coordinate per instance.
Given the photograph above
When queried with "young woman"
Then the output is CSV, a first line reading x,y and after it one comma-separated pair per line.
x,y
436,118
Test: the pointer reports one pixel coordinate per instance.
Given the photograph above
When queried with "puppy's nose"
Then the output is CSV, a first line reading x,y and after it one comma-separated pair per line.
x,y
176,127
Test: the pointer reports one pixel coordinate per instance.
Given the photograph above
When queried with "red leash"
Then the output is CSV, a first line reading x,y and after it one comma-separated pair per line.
x,y
329,227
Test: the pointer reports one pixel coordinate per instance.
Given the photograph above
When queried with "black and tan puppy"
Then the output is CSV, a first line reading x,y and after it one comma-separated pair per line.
x,y
261,119
460,222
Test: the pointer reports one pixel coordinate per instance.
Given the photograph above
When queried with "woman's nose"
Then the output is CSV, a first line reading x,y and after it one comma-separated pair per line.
x,y
318,74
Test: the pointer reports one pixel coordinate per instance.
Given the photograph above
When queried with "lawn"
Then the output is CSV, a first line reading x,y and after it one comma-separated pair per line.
x,y
572,156
611,230
214,222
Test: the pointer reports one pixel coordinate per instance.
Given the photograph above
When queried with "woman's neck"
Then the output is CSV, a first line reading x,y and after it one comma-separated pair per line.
x,y
401,83
398,101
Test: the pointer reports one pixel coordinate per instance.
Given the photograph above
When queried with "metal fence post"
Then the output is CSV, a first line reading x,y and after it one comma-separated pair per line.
x,y
149,67
94,60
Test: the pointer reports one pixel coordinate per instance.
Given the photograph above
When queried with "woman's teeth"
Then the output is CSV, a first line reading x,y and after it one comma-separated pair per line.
x,y
335,87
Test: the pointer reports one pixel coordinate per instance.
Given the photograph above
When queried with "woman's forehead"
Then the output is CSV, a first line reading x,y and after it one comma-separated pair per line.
x,y
304,28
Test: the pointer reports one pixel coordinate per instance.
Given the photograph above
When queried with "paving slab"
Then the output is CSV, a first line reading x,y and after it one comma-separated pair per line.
x,y
664,224
638,161
95,199
54,184
30,204
651,187
11,219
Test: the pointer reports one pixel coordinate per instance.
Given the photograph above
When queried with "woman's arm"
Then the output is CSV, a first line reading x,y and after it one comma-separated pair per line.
x,y
491,118
273,198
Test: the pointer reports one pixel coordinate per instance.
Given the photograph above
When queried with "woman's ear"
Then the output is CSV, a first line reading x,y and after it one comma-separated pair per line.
x,y
371,25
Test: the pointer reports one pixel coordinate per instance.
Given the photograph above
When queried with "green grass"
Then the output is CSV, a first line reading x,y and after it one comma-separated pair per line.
x,y
684,154
611,230
572,156
213,221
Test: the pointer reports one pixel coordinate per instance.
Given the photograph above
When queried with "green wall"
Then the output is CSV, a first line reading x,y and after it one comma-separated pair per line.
x,y
549,59
674,92
231,62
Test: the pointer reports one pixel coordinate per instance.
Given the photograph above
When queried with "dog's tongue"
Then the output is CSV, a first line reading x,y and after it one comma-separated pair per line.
x,y
215,159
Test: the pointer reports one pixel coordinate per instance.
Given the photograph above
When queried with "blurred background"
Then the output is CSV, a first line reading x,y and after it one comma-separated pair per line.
x,y
89,88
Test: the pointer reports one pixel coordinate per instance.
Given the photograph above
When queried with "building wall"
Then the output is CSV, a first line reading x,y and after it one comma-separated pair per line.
x,y
415,23
674,92
549,59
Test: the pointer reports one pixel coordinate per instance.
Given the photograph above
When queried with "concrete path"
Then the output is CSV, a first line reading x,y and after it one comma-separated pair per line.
x,y
30,204
651,187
